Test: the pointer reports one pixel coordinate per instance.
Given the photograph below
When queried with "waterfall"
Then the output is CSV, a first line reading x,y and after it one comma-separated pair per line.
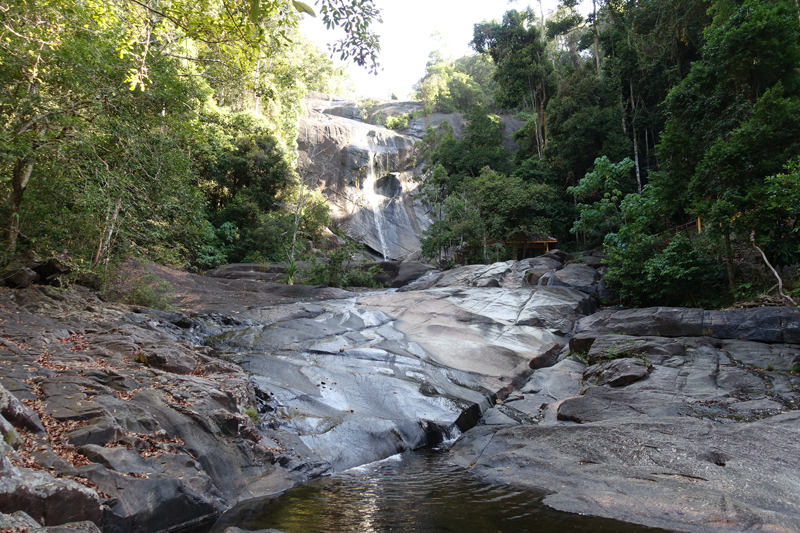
x,y
375,202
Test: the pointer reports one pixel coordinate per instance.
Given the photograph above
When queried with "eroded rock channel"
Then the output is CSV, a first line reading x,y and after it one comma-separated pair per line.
x,y
144,421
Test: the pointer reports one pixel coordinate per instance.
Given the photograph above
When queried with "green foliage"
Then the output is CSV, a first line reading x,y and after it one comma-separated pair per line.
x,y
398,122
148,290
580,355
518,52
603,184
682,273
340,270
458,86
584,119
121,121
252,413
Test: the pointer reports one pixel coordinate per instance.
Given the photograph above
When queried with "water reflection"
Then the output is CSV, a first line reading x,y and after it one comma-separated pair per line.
x,y
414,492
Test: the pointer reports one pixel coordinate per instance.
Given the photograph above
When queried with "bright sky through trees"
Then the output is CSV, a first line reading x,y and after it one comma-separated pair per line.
x,y
406,37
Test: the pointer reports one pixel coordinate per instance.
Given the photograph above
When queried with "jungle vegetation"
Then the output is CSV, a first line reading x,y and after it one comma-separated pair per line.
x,y
644,121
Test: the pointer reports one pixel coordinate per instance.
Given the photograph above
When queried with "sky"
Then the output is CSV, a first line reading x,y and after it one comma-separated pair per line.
x,y
406,41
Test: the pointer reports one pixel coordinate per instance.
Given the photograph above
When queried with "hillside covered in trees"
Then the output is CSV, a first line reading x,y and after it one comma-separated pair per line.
x,y
666,132
165,131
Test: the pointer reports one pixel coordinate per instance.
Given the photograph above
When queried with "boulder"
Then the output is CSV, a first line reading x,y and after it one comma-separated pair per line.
x,y
99,431
89,280
55,267
170,359
616,373
676,473
581,277
46,499
19,414
409,271
592,261
19,277
559,255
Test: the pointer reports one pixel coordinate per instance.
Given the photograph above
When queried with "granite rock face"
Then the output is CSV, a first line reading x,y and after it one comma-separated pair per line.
x,y
366,170
685,420
138,419
146,420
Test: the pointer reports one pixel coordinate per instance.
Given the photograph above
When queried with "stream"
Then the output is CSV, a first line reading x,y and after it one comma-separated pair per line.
x,y
412,492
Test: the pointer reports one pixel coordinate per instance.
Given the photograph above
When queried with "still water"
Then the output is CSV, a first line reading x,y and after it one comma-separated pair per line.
x,y
413,492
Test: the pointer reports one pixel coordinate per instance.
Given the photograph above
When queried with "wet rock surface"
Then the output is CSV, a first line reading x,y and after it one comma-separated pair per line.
x,y
672,418
366,171
147,420
138,419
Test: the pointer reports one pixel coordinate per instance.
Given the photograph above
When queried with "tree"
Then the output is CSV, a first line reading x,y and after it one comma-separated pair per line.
x,y
72,74
733,120
606,184
516,47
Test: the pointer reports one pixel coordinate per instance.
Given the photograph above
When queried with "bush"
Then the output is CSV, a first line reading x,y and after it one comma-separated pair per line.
x,y
681,274
397,122
148,290
339,270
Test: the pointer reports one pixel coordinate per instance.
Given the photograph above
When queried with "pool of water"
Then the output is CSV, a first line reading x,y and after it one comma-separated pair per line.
x,y
413,492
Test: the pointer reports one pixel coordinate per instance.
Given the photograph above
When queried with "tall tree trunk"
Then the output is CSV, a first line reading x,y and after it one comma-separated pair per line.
x,y
19,182
596,39
544,110
256,94
108,233
623,106
635,138
729,260
636,159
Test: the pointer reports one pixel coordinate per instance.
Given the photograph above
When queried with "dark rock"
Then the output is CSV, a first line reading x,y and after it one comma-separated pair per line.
x,y
592,261
56,266
19,277
18,519
661,321
410,271
685,473
234,270
119,459
32,260
495,417
617,346
47,499
154,503
100,431
767,324
168,359
559,255
617,373
604,292
90,280
19,414
604,403
577,276
760,355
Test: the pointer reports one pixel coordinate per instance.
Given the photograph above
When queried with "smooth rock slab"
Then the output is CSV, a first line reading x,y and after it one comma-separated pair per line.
x,y
676,473
765,324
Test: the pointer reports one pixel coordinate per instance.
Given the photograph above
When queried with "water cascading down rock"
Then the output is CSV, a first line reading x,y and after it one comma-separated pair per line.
x,y
366,173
